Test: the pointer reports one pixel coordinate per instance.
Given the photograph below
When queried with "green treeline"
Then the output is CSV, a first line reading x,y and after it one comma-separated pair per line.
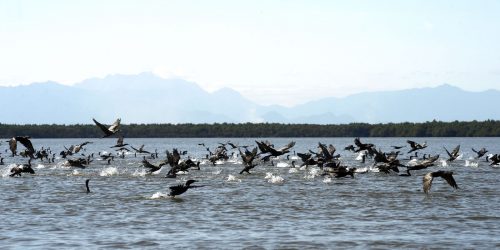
x,y
489,128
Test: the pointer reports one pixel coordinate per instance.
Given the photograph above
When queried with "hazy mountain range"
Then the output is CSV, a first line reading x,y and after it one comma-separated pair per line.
x,y
146,98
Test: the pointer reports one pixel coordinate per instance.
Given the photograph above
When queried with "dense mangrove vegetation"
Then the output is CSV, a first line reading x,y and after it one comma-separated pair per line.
x,y
487,128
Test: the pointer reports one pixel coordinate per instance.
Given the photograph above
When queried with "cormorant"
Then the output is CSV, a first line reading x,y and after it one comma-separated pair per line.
x,y
180,189
87,185
429,177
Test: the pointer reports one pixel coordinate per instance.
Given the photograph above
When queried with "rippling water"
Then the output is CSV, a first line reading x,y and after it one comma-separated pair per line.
x,y
274,207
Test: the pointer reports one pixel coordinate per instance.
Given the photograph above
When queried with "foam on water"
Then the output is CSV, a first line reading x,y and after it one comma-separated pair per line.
x,y
471,164
232,178
282,165
275,179
139,173
6,170
444,163
217,171
412,162
327,180
313,172
293,170
40,166
159,195
75,173
109,171
360,155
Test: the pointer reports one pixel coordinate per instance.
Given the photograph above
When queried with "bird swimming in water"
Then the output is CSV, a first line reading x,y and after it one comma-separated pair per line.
x,y
180,189
429,177
113,129
87,185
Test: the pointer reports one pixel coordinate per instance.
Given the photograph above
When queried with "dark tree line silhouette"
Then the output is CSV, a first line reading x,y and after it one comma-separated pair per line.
x,y
488,128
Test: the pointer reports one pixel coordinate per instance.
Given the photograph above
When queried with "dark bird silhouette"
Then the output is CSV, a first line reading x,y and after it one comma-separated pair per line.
x,y
454,154
119,143
416,146
113,129
180,189
429,177
13,146
362,146
495,160
151,168
25,141
266,148
140,150
17,170
350,148
87,185
398,147
480,153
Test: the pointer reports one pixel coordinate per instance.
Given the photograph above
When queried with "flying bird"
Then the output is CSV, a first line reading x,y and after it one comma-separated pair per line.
x,y
180,189
113,129
429,177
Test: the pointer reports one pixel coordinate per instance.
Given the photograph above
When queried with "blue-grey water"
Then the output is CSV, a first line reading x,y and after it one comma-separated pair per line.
x,y
293,208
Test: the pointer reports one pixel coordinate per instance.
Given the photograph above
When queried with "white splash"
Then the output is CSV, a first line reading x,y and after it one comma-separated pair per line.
x,y
294,157
140,173
413,162
275,179
75,172
217,171
327,180
293,170
471,164
282,165
444,163
6,171
232,178
313,172
159,195
460,157
109,171
360,156
40,166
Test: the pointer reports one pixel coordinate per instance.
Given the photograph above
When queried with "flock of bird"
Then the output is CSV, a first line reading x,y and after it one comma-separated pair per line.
x,y
263,154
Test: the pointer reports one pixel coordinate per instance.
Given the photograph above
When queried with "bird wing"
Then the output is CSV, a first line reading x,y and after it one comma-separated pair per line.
x,y
412,144
176,156
262,147
455,150
286,147
101,126
115,126
147,164
119,141
325,152
331,149
448,176
304,157
448,152
26,143
357,142
475,151
427,181
13,145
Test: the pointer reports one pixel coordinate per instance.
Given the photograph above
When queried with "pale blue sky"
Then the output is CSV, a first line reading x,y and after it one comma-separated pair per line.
x,y
273,52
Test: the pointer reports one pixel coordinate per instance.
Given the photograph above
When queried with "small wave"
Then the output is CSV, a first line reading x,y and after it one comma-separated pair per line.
x,y
232,178
159,195
293,170
217,171
40,166
109,171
